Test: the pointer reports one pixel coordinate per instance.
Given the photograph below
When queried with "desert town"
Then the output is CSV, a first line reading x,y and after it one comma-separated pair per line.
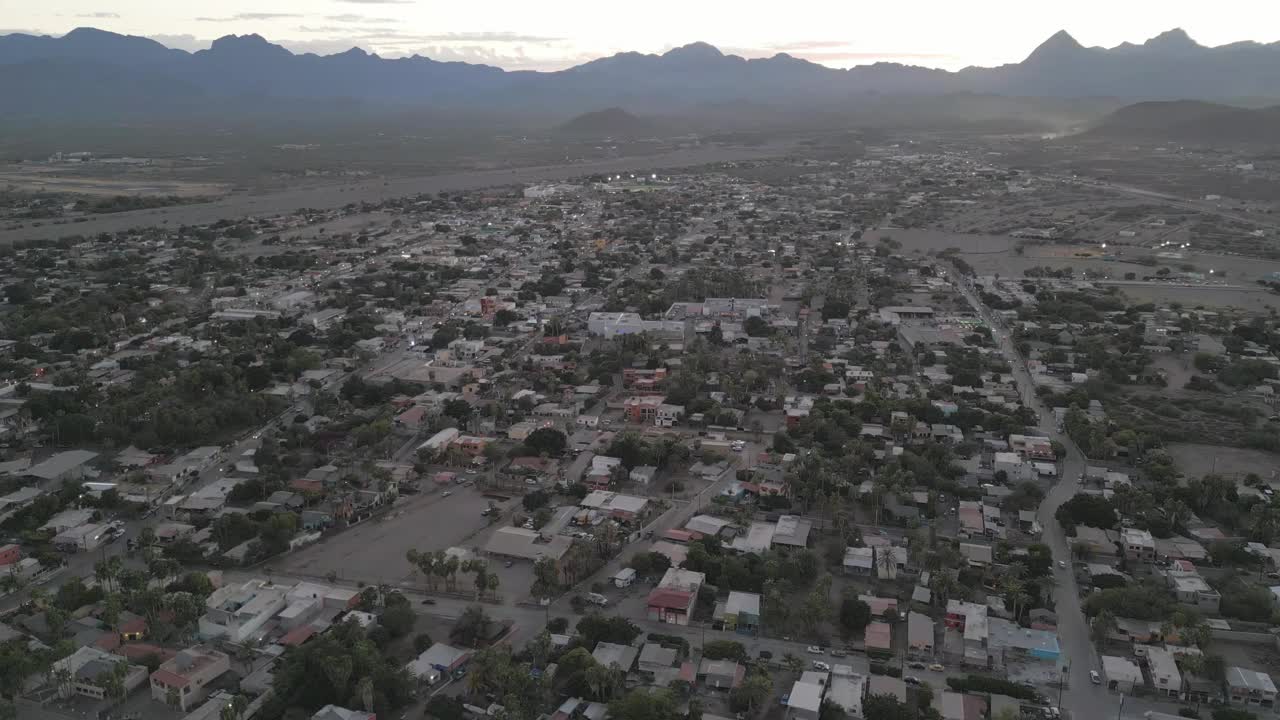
x,y
875,438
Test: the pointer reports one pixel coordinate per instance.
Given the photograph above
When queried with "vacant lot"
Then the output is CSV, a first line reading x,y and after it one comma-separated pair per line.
x,y
1195,460
375,550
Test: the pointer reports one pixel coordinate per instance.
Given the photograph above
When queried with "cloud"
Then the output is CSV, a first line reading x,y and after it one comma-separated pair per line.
x,y
190,43
354,18
100,15
253,16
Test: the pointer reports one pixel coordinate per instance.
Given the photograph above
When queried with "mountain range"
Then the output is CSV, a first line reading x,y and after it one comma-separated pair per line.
x,y
102,75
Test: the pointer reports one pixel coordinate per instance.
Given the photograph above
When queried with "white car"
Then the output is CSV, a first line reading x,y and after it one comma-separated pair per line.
x,y
820,666
1094,677
815,650
446,493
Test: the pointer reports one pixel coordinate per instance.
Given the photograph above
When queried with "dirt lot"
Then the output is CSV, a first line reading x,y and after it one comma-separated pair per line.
x,y
135,183
375,551
1195,460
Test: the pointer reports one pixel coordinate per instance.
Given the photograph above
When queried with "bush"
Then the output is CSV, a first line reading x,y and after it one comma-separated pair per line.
x,y
1187,712
988,685
725,649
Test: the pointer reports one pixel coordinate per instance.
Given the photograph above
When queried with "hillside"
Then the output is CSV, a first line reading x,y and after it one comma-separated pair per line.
x,y
609,123
1191,122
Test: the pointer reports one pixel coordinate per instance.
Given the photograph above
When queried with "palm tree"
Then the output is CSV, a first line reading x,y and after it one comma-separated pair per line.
x,y
451,568
364,691
440,565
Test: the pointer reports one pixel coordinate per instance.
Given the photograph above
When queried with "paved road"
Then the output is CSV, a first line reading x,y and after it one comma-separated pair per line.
x,y
1082,698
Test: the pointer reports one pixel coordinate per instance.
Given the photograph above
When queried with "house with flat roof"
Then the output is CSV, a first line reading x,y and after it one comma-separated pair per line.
x,y
740,612
859,561
920,634
239,612
1138,545
183,680
1121,674
437,661
609,654
847,692
757,539
804,701
792,532
1166,679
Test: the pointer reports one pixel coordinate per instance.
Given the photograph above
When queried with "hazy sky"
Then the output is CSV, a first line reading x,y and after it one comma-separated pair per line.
x,y
550,34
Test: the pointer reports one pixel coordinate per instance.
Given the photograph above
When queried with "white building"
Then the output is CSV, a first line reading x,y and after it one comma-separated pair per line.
x,y
238,612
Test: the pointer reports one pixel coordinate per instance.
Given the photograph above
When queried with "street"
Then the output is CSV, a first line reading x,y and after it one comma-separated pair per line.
x,y
1081,696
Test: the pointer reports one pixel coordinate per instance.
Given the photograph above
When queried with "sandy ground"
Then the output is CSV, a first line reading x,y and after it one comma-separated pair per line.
x,y
47,181
1195,460
375,550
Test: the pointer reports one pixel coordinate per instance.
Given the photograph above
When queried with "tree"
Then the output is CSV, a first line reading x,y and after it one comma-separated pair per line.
x,y
886,707
722,649
398,619
641,704
753,692
855,615
470,627
548,441
1103,624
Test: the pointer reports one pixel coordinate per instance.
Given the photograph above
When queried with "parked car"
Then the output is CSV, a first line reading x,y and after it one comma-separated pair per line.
x,y
916,665
766,655
1094,677
1062,563
446,493
937,667
597,599
815,650
912,680
820,666
837,653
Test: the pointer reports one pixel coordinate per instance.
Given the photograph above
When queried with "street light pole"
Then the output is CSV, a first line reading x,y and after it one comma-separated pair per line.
x,y
1121,708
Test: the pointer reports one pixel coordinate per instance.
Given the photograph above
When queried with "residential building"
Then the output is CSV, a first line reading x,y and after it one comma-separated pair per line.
x,y
1165,676
720,674
1138,545
85,667
804,701
1191,589
609,654
740,612
859,561
847,691
1121,674
1250,687
238,612
183,680
920,634
673,600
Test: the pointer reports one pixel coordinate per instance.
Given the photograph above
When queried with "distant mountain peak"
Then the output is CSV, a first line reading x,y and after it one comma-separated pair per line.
x,y
1175,39
1058,44
694,51
242,44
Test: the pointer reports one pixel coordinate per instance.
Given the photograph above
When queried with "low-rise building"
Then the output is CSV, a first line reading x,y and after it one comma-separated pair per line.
x,y
1250,687
239,612
1166,679
1138,545
1121,674
183,680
